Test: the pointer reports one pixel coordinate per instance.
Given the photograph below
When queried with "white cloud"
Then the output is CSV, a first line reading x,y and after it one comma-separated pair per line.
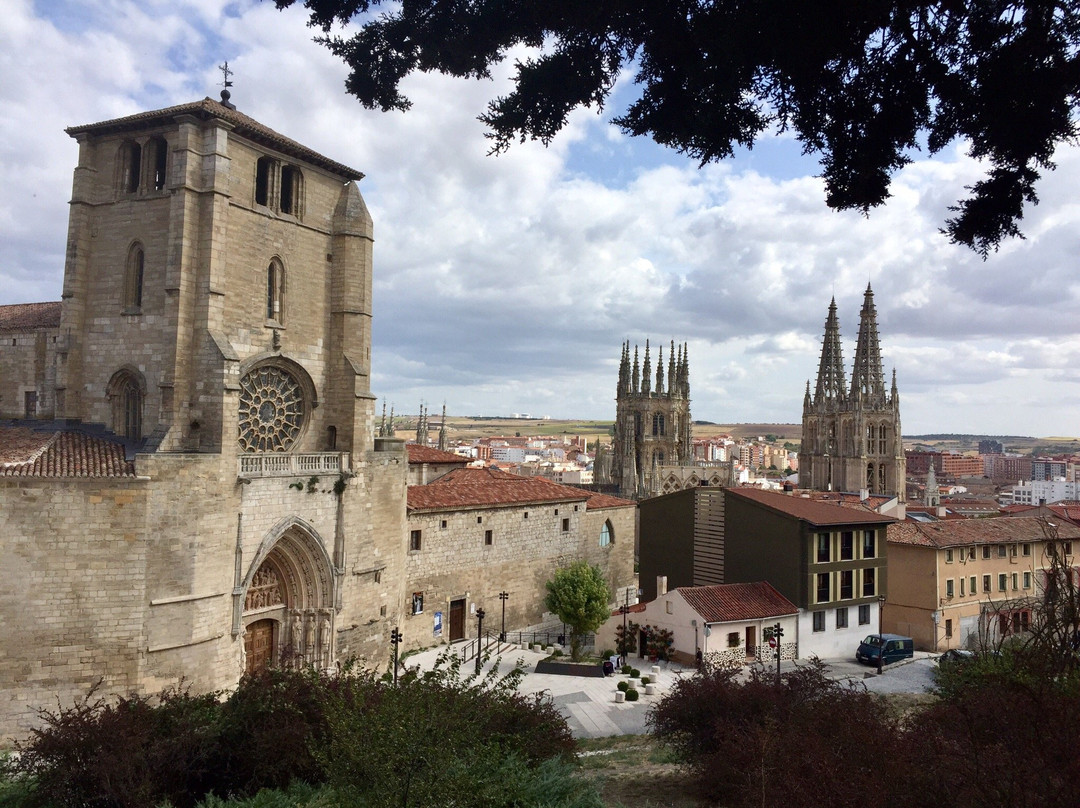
x,y
508,283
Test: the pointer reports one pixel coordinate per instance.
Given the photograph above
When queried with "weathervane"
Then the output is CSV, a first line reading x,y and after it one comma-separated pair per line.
x,y
226,84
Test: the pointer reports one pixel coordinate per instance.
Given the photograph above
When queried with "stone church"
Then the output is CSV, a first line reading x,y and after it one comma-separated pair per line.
x,y
650,452
851,439
190,482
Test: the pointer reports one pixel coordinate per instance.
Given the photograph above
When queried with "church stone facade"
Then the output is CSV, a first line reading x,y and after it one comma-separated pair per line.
x,y
851,439
652,420
197,490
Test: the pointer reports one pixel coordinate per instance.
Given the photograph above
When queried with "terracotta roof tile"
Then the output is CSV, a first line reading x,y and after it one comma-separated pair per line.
x,y
962,532
29,316
242,125
598,501
26,453
471,488
425,454
810,510
723,603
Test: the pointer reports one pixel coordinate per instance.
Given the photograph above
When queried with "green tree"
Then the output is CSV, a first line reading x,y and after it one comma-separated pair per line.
x,y
579,595
861,83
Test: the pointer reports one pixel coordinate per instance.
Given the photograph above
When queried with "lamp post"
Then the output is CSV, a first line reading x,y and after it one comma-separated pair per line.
x,y
625,609
479,635
881,636
504,596
777,633
395,640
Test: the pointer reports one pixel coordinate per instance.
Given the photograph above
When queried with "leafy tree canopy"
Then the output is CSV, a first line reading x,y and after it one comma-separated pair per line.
x,y
579,595
861,83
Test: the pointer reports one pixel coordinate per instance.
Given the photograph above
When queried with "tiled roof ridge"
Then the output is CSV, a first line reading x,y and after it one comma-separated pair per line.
x,y
245,125
30,316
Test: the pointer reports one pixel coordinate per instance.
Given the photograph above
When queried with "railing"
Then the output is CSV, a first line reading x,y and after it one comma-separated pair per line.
x,y
493,643
280,464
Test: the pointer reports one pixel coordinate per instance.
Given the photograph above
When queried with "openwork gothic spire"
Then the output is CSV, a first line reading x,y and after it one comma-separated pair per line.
x,y
830,378
867,377
646,372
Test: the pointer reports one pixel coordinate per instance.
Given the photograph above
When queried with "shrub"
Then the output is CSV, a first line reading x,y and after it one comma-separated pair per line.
x,y
623,686
631,695
646,680
635,672
557,653
626,669
607,653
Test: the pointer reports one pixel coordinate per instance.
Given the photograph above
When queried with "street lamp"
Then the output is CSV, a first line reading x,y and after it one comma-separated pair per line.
x,y
625,645
479,635
395,640
504,596
880,633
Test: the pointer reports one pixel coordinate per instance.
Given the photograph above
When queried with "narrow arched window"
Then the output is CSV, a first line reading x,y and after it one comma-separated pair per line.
x,y
275,292
130,166
883,439
291,185
133,280
158,153
264,170
607,534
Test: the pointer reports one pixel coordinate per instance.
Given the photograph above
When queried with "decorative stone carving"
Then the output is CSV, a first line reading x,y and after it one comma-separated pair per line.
x,y
264,591
271,410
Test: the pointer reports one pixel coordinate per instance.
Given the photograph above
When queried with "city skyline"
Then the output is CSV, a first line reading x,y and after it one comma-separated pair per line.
x,y
509,283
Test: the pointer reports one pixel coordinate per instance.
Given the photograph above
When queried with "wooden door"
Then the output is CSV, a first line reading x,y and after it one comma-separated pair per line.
x,y
259,645
457,620
751,642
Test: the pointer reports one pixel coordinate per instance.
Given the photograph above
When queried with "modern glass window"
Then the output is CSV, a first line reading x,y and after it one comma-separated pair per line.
x,y
842,617
823,550
869,582
847,584
822,587
847,545
819,621
869,544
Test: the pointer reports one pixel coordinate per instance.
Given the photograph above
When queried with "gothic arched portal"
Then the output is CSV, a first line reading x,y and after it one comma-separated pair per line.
x,y
288,612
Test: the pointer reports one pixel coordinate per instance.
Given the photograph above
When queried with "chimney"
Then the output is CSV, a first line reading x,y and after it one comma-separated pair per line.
x,y
864,494
661,585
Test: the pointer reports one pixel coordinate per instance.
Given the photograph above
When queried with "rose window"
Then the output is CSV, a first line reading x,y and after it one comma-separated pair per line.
x,y
271,410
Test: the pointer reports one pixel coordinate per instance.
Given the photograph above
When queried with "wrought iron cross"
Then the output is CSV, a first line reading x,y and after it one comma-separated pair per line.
x,y
225,73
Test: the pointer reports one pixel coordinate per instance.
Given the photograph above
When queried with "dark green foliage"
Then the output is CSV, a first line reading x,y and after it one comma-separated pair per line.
x,y
297,795
579,596
861,83
623,686
635,672
631,695
131,752
807,742
626,642
436,739
626,669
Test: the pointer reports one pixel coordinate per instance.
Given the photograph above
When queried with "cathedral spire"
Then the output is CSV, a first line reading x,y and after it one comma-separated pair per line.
x,y
830,378
390,427
637,374
672,386
646,372
382,426
867,377
442,430
660,372
685,381
894,395
624,370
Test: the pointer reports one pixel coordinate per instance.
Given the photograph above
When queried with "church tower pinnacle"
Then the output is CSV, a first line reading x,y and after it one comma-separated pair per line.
x,y
646,372
830,378
867,377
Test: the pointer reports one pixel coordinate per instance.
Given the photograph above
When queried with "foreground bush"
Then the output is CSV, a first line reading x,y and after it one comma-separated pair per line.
x,y
436,739
806,742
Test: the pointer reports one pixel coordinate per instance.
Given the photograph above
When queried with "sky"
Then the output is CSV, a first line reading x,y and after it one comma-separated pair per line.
x,y
507,284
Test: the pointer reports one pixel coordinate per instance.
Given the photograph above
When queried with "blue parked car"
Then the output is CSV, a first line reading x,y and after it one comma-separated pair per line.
x,y
892,647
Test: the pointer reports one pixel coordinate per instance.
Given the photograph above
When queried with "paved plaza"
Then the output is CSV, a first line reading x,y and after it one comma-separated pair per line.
x,y
592,712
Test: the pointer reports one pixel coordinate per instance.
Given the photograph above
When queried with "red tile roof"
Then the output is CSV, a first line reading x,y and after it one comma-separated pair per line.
x,y
810,510
242,125
847,498
29,316
472,488
26,453
425,454
599,501
633,608
724,603
962,532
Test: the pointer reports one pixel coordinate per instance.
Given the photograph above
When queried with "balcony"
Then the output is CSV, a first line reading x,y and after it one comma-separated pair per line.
x,y
281,464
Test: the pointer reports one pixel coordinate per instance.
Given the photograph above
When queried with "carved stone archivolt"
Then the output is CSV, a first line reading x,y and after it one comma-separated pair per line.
x,y
264,590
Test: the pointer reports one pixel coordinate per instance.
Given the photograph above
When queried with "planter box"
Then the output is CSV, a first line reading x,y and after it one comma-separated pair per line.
x,y
570,669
